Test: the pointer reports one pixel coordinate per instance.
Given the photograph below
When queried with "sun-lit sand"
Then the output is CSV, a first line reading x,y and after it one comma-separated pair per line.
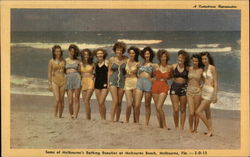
x,y
33,126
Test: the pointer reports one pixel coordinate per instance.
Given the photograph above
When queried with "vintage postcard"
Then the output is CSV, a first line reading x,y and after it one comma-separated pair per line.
x,y
55,103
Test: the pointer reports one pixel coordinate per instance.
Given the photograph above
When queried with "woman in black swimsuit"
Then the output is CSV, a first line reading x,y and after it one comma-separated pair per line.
x,y
179,87
101,80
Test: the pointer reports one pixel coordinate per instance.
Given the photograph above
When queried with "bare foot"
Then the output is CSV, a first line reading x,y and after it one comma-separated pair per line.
x,y
191,130
210,133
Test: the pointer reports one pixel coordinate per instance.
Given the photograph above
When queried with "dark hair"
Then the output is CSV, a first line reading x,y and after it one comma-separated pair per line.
x,y
152,54
101,49
186,55
90,60
198,56
163,52
54,49
210,58
120,45
136,50
76,50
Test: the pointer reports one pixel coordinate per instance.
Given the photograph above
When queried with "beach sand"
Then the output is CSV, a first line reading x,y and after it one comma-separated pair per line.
x,y
33,126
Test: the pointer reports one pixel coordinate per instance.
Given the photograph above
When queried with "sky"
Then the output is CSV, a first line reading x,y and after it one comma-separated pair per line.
x,y
124,20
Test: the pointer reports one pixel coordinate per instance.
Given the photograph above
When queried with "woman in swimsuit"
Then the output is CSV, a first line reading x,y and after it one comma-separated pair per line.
x,y
179,87
101,80
73,80
116,77
194,90
160,85
87,69
144,83
209,91
56,79
131,80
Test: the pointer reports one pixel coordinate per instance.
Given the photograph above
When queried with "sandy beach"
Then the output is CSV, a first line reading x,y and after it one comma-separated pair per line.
x,y
33,126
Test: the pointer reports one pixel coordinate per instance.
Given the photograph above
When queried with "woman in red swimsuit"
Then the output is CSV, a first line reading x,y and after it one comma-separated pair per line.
x,y
160,85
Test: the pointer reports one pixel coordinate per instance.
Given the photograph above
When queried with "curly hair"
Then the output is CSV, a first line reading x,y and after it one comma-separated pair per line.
x,y
210,58
54,49
198,56
120,45
105,54
76,50
186,55
90,60
152,54
163,52
136,50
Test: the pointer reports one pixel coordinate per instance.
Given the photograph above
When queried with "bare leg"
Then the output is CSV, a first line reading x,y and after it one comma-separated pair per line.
x,y
70,100
148,97
133,103
204,104
155,98
197,101
61,104
161,100
87,103
101,95
56,94
113,91
175,104
120,92
208,115
183,104
139,95
191,112
129,99
77,101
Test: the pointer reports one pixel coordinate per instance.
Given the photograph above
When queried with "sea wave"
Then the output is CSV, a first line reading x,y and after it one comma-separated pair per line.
x,y
37,86
197,50
207,45
139,42
39,45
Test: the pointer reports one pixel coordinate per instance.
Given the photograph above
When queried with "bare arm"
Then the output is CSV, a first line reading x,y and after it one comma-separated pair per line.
x,y
215,84
50,74
109,69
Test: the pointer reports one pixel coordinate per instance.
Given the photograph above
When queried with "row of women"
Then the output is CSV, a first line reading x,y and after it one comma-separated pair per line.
x,y
195,85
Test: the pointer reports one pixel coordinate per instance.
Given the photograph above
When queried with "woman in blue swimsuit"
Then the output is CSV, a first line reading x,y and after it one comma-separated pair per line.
x,y
73,79
116,79
144,83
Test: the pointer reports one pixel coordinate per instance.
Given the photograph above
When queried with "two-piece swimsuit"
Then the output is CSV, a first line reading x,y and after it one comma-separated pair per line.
x,y
58,78
117,77
130,82
160,84
143,83
179,88
207,90
87,82
193,90
73,79
101,76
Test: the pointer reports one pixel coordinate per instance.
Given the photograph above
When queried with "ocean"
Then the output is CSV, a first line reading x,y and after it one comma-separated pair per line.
x,y
31,51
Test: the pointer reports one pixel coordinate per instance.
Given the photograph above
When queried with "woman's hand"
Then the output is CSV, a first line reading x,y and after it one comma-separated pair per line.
x,y
50,87
214,100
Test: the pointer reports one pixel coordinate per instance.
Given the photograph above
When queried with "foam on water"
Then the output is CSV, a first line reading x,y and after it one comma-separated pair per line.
x,y
39,45
145,42
207,45
37,86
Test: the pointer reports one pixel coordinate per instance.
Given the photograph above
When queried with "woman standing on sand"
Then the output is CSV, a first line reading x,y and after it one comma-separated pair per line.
x,y
160,85
87,69
179,87
116,77
144,83
101,80
209,91
131,80
73,80
194,90
56,79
